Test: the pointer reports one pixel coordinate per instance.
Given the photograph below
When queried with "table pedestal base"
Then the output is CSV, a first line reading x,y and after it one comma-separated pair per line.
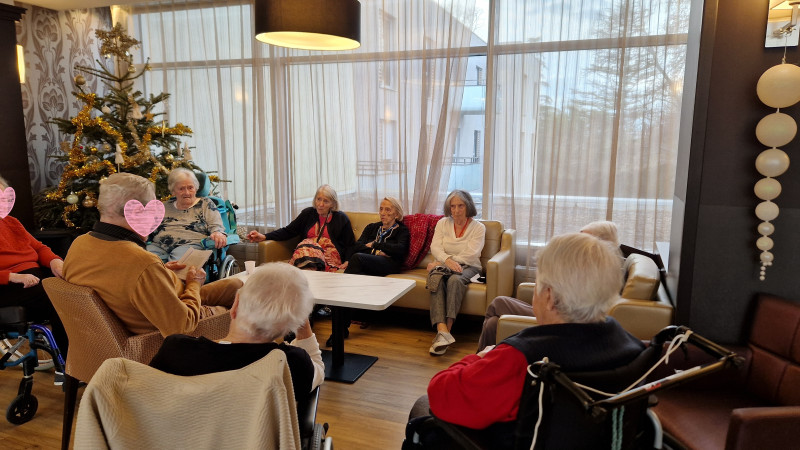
x,y
353,367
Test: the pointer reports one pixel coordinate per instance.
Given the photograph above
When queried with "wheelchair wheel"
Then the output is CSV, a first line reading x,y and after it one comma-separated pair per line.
x,y
5,347
22,409
229,267
45,361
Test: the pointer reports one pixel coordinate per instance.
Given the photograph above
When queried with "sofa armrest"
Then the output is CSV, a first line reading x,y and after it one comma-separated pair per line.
x,y
500,269
509,324
642,318
271,251
764,427
525,291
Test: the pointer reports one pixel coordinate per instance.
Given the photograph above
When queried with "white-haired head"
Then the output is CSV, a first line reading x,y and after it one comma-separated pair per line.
x,y
118,189
275,301
583,275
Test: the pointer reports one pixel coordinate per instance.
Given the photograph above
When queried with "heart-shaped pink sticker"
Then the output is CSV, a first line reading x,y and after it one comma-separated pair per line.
x,y
7,198
145,219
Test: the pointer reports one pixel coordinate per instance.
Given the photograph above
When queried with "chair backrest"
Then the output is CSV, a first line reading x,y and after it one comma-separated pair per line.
x,y
94,331
566,424
642,278
130,405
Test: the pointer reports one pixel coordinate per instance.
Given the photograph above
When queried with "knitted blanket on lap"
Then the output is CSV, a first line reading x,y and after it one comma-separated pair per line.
x,y
420,227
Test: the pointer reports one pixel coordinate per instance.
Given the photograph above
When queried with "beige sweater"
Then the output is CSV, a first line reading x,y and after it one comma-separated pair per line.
x,y
131,405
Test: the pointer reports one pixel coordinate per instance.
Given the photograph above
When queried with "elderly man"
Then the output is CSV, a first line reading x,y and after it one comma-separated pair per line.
x,y
603,230
578,280
275,300
142,291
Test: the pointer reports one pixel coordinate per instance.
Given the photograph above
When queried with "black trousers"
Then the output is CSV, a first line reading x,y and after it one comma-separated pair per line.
x,y
36,303
375,265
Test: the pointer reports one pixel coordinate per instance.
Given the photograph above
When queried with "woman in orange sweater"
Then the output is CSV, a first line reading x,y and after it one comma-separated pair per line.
x,y
24,261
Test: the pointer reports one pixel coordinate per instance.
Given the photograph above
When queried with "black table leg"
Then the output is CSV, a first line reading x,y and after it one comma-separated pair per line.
x,y
341,366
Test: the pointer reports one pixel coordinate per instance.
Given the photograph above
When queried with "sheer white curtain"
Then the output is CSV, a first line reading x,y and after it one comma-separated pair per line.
x,y
378,121
552,114
585,108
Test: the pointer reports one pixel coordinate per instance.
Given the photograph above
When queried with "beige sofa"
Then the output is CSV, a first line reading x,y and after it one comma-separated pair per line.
x,y
643,308
497,259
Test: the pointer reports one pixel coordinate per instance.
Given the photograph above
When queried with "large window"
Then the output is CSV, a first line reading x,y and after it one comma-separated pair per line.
x,y
551,115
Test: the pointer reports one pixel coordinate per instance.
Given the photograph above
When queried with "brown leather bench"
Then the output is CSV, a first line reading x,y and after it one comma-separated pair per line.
x,y
754,407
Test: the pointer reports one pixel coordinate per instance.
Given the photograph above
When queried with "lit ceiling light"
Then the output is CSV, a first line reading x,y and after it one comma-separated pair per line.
x,y
309,24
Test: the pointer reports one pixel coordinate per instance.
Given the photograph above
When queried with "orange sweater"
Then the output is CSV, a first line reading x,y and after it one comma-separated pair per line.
x,y
19,250
134,283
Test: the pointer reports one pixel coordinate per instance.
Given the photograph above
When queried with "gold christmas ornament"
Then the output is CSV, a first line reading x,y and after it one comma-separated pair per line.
x,y
116,43
80,80
72,199
88,202
168,157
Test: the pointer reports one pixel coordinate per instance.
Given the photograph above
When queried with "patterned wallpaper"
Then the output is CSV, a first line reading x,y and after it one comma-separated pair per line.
x,y
54,42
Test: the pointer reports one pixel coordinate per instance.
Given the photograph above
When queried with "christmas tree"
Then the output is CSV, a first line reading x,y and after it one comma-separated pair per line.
x,y
120,131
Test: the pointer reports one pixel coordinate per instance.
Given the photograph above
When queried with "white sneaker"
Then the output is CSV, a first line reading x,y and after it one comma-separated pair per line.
x,y
441,342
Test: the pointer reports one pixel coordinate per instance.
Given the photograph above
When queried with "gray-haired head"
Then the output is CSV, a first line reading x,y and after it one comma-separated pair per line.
x,y
602,229
118,189
398,208
465,197
275,301
327,191
179,174
583,275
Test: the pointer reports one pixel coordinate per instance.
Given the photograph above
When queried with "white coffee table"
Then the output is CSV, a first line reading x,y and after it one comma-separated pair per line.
x,y
344,290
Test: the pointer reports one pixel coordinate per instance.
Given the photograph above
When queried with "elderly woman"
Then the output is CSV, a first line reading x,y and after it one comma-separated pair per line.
x,y
456,247
325,231
187,219
24,261
275,300
383,245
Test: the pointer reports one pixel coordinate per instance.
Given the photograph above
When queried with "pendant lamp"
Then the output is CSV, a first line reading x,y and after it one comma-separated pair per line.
x,y
309,24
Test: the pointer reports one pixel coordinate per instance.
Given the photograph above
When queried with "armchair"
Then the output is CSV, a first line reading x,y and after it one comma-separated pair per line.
x,y
96,334
757,406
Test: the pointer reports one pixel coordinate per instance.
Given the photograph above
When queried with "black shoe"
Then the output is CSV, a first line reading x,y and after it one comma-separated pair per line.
x,y
329,342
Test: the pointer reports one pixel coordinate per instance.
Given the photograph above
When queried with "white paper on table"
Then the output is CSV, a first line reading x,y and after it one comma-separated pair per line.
x,y
192,257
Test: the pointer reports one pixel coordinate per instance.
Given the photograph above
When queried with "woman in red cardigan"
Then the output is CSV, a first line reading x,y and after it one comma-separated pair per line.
x,y
24,261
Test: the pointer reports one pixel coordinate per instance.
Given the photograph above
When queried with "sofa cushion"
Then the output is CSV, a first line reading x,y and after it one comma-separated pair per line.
x,y
642,278
420,228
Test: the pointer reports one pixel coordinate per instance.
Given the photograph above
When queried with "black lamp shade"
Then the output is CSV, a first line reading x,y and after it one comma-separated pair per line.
x,y
309,24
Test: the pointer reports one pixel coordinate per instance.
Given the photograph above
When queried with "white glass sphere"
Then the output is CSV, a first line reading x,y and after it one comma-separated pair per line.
x,y
72,198
767,188
766,228
779,86
764,243
776,129
772,162
767,211
767,258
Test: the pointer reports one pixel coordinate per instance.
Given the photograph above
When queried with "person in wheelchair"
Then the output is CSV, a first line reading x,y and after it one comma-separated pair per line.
x,y
24,262
577,281
188,219
143,292
275,301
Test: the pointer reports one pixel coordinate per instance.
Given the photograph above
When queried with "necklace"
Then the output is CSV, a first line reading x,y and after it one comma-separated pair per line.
x,y
455,229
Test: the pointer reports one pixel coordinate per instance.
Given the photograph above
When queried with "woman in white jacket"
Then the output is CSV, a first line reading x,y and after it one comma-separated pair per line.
x,y
456,247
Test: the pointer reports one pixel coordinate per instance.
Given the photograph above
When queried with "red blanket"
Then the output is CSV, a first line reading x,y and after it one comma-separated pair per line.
x,y
420,227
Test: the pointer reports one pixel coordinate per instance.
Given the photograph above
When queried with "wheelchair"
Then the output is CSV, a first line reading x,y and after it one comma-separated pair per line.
x,y
24,340
220,263
604,409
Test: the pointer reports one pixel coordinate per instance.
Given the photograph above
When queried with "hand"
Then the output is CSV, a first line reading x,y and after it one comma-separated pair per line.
x,y
432,265
25,279
195,274
486,350
452,265
305,331
57,267
343,266
369,244
220,239
255,236
174,265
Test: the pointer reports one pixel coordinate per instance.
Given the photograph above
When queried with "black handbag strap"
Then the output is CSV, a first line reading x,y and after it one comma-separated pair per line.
x,y
322,229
